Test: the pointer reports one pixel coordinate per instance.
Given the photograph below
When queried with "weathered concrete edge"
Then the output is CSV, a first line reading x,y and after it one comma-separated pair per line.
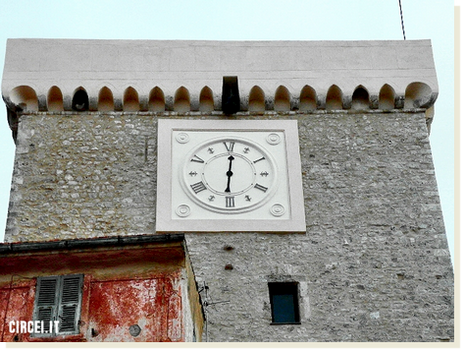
x,y
23,247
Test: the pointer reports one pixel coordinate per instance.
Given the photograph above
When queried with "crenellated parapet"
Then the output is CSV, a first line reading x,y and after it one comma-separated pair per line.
x,y
417,95
141,75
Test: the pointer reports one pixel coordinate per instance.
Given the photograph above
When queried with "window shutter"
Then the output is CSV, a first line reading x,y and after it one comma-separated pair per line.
x,y
58,298
69,307
46,298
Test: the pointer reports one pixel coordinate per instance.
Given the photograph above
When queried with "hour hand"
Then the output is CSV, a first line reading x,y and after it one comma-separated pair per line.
x,y
229,173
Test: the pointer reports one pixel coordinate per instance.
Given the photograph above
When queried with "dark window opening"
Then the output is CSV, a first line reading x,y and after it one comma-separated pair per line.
x,y
284,302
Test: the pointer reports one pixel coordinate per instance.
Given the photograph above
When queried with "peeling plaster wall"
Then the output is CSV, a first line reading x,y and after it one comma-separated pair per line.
x,y
16,304
152,304
147,287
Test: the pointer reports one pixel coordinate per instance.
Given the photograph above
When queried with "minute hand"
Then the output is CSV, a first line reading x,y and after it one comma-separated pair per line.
x,y
229,173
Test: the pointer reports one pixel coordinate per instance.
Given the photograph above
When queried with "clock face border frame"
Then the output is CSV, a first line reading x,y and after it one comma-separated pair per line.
x,y
166,222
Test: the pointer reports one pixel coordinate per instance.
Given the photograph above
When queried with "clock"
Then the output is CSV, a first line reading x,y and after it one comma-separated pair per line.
x,y
229,175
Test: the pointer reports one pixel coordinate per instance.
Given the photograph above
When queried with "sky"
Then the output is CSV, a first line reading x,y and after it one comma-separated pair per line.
x,y
247,20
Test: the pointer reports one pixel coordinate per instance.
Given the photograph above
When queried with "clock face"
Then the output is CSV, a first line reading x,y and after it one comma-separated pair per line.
x,y
230,174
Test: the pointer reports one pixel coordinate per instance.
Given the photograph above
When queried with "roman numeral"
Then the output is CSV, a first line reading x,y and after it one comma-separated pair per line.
x,y
229,201
198,159
229,145
259,159
260,187
197,187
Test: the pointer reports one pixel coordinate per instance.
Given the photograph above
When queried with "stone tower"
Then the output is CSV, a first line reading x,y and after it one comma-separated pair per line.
x,y
230,191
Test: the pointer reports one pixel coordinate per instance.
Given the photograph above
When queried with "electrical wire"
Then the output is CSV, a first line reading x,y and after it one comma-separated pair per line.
x,y
402,19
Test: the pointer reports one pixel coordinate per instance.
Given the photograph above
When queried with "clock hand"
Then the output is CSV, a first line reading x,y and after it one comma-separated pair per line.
x,y
229,174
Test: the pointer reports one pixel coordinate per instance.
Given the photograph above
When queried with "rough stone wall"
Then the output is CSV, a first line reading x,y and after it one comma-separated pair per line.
x,y
373,265
82,176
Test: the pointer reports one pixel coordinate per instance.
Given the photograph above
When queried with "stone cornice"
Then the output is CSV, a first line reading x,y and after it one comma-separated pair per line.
x,y
144,75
